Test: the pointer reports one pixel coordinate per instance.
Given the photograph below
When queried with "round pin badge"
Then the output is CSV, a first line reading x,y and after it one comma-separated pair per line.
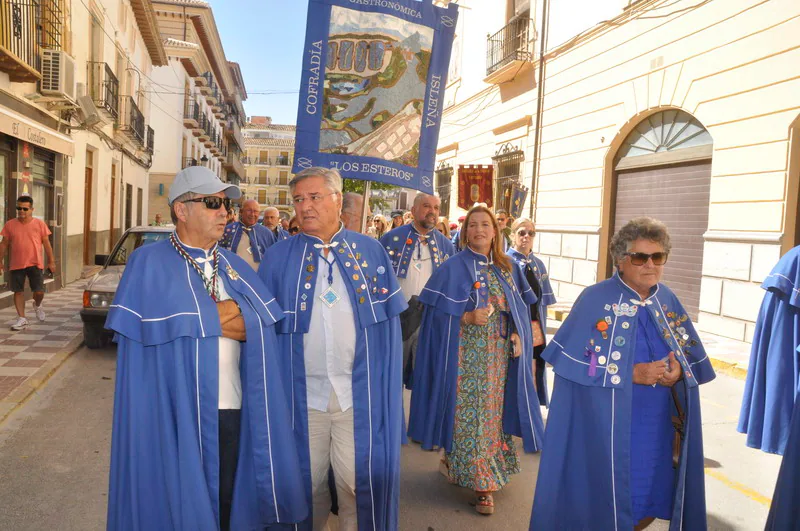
x,y
307,286
612,368
626,325
616,380
381,270
601,360
616,356
619,341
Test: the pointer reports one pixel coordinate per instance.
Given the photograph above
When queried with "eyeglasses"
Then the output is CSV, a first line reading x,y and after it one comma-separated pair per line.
x,y
314,198
640,259
212,202
523,232
24,209
294,230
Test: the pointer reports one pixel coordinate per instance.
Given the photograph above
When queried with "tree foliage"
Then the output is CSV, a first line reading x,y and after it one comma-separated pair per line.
x,y
358,186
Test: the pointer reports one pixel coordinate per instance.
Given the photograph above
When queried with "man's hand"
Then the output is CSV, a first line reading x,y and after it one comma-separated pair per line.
x,y
670,377
648,373
516,343
231,320
51,266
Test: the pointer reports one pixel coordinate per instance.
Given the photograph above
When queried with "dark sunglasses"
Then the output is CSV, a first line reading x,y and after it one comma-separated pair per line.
x,y
524,232
293,230
24,209
212,202
640,259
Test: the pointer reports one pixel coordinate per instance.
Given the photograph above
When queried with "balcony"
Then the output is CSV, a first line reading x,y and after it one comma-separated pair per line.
x,y
191,115
233,163
26,27
203,131
509,52
189,161
150,139
131,121
282,161
104,88
234,131
257,161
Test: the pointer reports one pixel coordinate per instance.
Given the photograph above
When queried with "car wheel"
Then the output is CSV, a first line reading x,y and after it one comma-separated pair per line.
x,y
95,336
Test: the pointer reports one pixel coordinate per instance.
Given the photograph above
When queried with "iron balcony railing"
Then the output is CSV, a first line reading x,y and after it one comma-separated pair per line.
x,y
191,111
150,139
188,161
104,88
27,27
512,43
132,120
282,161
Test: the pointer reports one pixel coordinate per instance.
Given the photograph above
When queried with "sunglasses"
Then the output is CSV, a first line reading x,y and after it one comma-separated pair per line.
x,y
293,230
640,259
212,202
24,209
530,233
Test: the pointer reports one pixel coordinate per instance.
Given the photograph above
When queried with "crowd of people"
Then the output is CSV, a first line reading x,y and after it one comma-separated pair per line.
x,y
261,368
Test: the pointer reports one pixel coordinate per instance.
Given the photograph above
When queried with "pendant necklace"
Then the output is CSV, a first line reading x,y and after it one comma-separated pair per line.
x,y
210,285
329,296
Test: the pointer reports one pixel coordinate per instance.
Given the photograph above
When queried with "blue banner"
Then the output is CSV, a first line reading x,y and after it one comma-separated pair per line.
x,y
518,195
372,89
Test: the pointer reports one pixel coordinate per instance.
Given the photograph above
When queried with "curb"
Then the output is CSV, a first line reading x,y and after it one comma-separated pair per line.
x,y
20,395
734,370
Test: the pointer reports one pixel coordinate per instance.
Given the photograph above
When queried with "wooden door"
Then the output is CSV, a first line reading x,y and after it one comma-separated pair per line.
x,y
88,259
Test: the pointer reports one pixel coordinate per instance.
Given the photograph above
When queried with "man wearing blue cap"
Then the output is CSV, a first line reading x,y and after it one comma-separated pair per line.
x,y
198,437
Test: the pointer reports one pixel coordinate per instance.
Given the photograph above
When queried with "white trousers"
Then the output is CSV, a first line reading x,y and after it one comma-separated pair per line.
x,y
331,442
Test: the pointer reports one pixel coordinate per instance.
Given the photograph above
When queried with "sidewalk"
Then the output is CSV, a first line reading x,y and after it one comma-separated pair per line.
x,y
29,357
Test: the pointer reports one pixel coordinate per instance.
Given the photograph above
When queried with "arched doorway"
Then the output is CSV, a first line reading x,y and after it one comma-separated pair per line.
x,y
663,170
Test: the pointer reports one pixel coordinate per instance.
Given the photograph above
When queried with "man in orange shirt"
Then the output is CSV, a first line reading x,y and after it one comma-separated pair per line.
x,y
26,235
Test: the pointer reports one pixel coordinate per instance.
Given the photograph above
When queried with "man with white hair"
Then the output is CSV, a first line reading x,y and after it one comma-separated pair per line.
x,y
416,251
352,204
342,350
255,238
199,407
272,221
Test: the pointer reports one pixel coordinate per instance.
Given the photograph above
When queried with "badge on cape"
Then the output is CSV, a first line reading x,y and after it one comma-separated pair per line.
x,y
233,275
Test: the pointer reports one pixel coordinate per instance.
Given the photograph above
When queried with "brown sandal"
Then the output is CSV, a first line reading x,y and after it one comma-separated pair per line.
x,y
484,504
444,469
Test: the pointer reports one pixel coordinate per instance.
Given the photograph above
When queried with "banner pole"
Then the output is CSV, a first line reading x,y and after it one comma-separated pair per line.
x,y
364,206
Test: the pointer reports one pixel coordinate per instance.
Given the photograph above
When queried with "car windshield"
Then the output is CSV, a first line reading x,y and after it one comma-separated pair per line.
x,y
132,241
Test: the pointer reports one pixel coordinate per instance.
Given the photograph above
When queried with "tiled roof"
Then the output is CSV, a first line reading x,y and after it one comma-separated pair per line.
x,y
280,142
179,44
270,127
197,3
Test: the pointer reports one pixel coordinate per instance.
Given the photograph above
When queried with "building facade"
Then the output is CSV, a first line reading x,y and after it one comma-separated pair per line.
x,y
268,163
74,120
684,111
200,114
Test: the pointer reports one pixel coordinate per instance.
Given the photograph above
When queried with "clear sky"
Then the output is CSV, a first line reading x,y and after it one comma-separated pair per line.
x,y
266,38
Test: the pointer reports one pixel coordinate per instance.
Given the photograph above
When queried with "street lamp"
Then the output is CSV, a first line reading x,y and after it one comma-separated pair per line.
x,y
204,159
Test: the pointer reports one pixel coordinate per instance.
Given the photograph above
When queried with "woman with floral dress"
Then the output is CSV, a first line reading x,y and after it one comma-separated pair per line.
x,y
473,382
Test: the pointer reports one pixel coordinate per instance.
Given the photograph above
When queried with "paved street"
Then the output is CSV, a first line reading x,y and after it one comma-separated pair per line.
x,y
54,453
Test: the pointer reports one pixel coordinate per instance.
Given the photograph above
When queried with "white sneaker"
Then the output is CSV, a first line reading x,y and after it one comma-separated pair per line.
x,y
20,324
39,311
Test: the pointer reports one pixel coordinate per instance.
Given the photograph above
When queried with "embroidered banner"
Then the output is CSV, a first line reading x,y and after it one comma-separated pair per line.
x,y
474,186
518,195
372,87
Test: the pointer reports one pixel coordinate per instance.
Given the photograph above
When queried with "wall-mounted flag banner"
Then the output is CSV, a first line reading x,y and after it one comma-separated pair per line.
x,y
518,195
474,186
372,89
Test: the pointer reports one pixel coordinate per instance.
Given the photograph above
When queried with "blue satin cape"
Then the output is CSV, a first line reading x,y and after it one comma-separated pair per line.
x,y
584,472
377,302
449,293
165,448
235,231
773,377
547,298
785,510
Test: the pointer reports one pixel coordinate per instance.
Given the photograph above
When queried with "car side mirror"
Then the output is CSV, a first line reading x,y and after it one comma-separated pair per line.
x,y
100,259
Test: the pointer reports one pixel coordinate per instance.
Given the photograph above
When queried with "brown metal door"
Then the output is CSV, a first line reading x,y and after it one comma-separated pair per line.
x,y
678,196
87,218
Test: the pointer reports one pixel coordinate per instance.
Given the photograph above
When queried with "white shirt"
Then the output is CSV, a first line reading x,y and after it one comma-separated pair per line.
x,y
230,380
330,342
244,251
419,271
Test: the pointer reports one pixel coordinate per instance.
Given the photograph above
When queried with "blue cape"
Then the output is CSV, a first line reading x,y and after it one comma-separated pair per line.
x,y
785,510
283,234
774,371
258,245
547,298
377,301
165,448
396,242
449,293
584,472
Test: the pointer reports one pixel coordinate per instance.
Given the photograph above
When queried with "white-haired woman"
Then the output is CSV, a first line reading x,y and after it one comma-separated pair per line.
x,y
626,361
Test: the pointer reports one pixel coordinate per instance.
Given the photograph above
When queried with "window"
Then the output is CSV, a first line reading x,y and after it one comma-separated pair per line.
x,y
283,177
140,203
262,177
263,157
262,197
508,166
128,205
283,197
444,176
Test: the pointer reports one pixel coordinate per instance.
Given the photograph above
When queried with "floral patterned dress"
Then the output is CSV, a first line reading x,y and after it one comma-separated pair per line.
x,y
483,457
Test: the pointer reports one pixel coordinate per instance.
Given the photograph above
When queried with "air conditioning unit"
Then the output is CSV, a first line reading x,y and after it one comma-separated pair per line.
x,y
58,74
90,115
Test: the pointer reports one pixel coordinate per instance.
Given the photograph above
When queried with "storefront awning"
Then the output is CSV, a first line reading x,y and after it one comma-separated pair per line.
x,y
28,130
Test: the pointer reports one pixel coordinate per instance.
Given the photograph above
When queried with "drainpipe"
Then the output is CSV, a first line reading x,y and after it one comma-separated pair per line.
x,y
539,106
